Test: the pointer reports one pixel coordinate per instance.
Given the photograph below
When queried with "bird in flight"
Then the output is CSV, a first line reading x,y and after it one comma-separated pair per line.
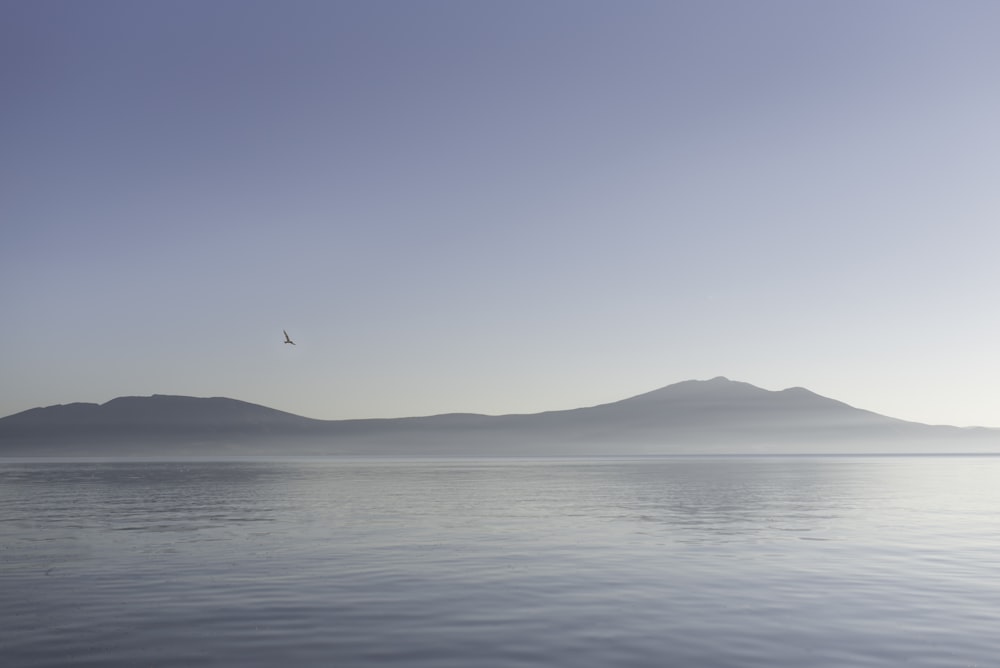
x,y
287,340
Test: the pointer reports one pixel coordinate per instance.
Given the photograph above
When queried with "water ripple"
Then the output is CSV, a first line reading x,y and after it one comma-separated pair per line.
x,y
716,562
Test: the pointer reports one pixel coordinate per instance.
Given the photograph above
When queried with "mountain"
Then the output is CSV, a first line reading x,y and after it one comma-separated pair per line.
x,y
691,417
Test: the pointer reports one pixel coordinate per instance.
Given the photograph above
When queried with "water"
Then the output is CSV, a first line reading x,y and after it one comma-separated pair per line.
x,y
709,562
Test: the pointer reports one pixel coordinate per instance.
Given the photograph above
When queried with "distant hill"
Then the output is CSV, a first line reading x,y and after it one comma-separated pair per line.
x,y
691,417
156,412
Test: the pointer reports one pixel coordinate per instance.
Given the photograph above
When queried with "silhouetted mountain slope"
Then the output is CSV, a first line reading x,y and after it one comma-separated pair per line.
x,y
720,402
155,411
692,416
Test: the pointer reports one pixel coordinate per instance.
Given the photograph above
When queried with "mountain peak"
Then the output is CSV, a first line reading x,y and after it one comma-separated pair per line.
x,y
694,388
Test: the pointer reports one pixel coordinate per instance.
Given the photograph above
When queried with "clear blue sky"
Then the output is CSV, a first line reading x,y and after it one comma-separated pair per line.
x,y
500,206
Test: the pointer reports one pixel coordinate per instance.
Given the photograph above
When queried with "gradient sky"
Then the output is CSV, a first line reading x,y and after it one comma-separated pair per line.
x,y
500,207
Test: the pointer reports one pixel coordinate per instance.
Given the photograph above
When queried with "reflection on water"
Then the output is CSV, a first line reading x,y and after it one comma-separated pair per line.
x,y
806,561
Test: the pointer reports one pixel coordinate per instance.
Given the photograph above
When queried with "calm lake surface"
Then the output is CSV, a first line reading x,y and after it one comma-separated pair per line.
x,y
695,562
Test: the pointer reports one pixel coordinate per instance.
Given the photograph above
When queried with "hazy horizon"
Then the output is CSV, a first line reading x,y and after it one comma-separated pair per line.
x,y
714,417
706,382
499,207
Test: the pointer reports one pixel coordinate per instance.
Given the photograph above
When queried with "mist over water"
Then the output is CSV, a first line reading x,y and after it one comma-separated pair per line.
x,y
722,562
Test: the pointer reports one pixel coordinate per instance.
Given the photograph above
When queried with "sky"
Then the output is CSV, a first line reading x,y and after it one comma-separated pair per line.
x,y
500,207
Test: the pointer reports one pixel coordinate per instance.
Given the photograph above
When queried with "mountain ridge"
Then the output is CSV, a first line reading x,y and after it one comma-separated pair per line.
x,y
694,416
